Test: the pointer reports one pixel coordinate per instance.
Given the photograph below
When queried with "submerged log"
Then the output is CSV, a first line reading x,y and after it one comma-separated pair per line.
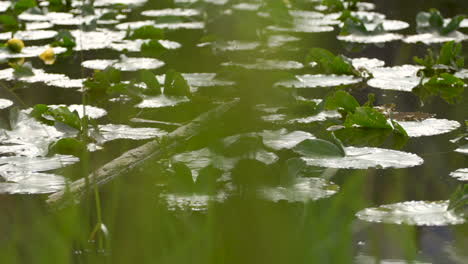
x,y
137,157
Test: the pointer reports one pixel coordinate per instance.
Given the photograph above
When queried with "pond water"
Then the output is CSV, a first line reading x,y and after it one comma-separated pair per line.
x,y
268,182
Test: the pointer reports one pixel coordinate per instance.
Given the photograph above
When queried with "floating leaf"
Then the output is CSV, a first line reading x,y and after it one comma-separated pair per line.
x,y
318,148
282,139
419,213
319,80
429,127
30,183
460,174
35,164
112,131
303,190
364,158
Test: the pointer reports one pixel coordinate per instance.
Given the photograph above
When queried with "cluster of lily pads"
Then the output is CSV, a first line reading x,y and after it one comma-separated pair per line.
x,y
304,115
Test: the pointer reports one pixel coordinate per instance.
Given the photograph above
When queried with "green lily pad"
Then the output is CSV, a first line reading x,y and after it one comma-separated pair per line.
x,y
124,64
177,12
35,164
419,213
94,40
28,52
318,148
135,45
431,38
5,103
369,39
364,158
319,80
268,65
202,158
30,183
302,191
112,131
192,202
283,139
161,101
429,127
30,35
460,174
399,78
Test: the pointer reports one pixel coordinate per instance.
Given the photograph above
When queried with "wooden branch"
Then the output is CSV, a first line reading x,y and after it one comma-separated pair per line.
x,y
137,157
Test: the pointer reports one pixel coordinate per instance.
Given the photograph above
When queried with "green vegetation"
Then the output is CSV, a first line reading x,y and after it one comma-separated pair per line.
x,y
329,63
433,21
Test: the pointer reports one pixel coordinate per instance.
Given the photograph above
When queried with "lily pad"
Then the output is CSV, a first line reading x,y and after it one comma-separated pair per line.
x,y
192,202
362,259
322,116
246,6
28,52
367,63
463,149
364,158
124,64
40,76
429,127
268,65
35,164
202,158
135,45
5,103
388,25
462,74
282,139
181,25
28,137
214,2
419,213
369,39
4,5
93,40
99,3
134,25
111,132
361,6
460,174
303,190
399,78
280,40
177,12
236,45
304,26
38,25
319,80
30,183
204,79
30,35
429,38
161,101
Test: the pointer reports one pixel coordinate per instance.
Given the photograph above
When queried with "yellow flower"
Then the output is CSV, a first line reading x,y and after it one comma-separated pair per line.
x,y
48,56
15,45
